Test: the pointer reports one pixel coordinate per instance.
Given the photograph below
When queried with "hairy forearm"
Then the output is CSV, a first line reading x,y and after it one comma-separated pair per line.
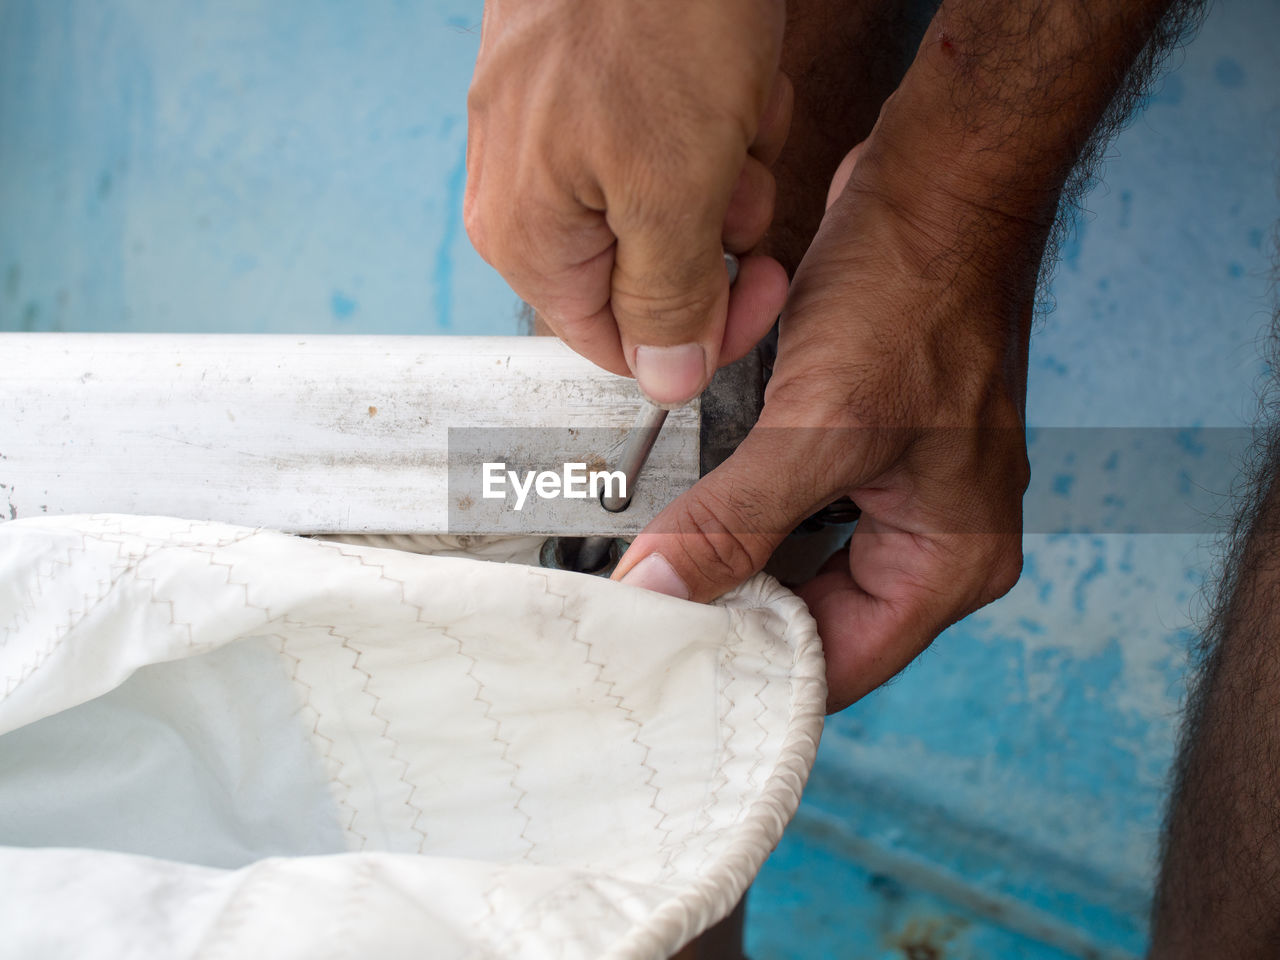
x,y
1009,103
1219,892
1004,96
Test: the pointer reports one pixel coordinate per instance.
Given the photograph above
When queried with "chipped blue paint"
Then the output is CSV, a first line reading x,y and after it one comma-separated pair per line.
x,y
1168,92
341,306
1096,569
1073,243
1229,73
1052,365
1189,440
818,899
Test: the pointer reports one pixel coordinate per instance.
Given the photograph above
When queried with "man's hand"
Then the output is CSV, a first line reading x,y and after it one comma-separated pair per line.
x,y
901,367
899,383
614,149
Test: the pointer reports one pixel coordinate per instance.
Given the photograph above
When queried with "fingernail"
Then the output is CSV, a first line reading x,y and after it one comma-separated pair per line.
x,y
671,374
656,574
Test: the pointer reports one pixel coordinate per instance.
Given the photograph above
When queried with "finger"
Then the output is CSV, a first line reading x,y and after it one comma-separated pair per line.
x,y
894,593
724,529
755,302
750,207
594,337
564,305
754,305
557,255
775,121
670,290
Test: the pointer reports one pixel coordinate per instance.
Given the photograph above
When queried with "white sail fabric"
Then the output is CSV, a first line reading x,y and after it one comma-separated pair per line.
x,y
224,742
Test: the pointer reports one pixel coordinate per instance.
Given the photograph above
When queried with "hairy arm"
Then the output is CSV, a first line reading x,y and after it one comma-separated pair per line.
x,y
911,312
1009,104
1219,889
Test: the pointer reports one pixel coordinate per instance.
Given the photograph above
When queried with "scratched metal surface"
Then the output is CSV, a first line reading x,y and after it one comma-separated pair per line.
x,y
297,167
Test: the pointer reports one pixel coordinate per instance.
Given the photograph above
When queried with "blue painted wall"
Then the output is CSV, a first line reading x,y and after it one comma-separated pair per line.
x,y
239,165
297,166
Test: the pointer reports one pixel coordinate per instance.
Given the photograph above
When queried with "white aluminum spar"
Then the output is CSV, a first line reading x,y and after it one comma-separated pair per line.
x,y
326,434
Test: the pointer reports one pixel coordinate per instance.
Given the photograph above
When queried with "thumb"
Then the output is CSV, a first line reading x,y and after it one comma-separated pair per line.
x,y
670,300
725,528
670,295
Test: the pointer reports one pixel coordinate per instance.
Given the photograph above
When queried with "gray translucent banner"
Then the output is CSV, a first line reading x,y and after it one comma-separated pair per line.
x,y
1132,479
1083,480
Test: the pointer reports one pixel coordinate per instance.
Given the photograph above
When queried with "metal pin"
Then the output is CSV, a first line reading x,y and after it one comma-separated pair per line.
x,y
640,441
593,553
635,453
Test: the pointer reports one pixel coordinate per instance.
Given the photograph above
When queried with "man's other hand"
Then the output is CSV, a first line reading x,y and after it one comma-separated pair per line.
x,y
899,382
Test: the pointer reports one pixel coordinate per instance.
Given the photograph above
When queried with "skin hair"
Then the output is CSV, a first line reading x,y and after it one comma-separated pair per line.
x,y
1174,31
1219,887
840,88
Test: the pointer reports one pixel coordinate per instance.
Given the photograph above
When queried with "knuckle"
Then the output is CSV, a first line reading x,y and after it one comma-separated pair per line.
x,y
505,235
479,94
731,556
671,175
1020,473
688,306
473,221
1004,573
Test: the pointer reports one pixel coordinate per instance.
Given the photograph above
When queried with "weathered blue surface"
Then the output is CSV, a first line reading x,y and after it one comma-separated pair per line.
x,y
239,166
298,166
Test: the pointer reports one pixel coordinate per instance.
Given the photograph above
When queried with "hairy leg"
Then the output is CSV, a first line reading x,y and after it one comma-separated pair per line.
x,y
1219,887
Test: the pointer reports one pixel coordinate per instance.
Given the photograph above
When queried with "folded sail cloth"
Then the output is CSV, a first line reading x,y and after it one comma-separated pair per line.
x,y
225,742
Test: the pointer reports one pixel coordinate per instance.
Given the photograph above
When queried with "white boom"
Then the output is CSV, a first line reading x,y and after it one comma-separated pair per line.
x,y
317,434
